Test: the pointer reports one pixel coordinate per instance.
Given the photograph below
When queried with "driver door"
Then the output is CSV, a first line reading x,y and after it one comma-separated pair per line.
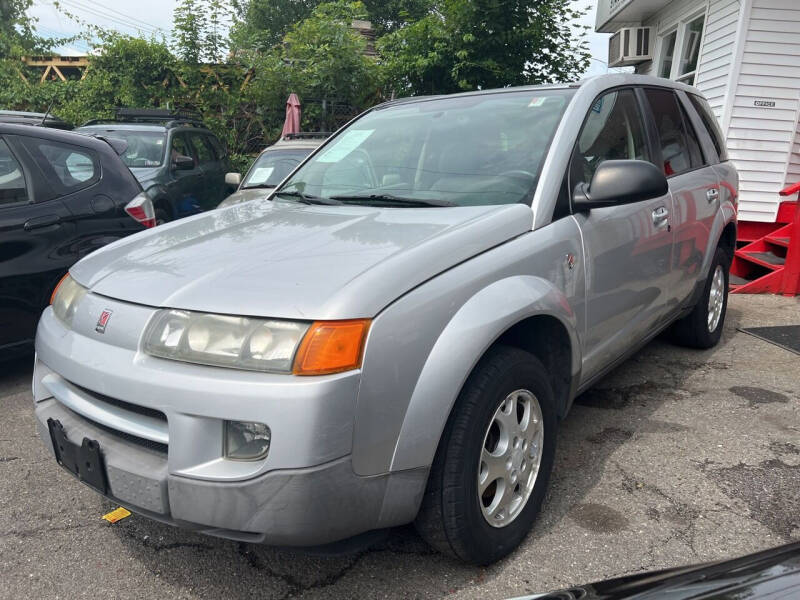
x,y
627,247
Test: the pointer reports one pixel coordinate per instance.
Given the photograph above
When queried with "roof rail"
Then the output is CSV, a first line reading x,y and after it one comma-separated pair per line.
x,y
307,135
154,116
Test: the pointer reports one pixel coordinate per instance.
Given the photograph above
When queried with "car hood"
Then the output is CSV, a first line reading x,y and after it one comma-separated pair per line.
x,y
243,195
288,260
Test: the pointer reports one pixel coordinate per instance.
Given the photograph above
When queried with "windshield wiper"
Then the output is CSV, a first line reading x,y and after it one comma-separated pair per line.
x,y
392,199
307,198
258,186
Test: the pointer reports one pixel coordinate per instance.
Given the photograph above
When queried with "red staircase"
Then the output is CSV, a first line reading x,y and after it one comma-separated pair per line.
x,y
771,263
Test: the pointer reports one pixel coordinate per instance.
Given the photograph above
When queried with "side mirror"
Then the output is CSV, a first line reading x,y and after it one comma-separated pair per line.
x,y
233,179
183,163
620,182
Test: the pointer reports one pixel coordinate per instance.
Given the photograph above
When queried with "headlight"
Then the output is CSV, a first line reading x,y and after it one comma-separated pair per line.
x,y
224,341
66,297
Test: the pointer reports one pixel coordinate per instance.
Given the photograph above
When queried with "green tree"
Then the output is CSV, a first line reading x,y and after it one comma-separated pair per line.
x,y
188,30
18,30
261,24
469,44
390,15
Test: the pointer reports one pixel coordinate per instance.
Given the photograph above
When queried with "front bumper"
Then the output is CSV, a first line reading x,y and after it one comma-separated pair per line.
x,y
160,427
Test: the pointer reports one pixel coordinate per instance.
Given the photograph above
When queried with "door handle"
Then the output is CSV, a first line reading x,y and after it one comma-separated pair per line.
x,y
660,216
712,194
43,221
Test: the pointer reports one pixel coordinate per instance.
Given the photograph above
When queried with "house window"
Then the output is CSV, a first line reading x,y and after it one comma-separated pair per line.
x,y
690,51
668,45
680,51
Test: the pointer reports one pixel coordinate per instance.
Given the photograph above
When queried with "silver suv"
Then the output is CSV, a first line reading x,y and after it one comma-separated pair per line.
x,y
396,332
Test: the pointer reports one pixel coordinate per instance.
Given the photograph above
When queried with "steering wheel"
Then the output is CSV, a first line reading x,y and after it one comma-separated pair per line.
x,y
518,172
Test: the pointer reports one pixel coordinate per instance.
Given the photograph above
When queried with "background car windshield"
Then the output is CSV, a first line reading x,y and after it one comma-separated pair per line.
x,y
145,148
468,150
273,166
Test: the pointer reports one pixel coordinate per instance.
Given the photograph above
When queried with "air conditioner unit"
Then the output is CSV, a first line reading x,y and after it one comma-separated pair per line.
x,y
630,46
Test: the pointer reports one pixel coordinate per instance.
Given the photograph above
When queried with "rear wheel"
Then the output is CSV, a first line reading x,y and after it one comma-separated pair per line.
x,y
702,328
491,469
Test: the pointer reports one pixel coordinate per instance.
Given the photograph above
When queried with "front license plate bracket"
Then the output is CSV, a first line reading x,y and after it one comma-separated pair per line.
x,y
84,461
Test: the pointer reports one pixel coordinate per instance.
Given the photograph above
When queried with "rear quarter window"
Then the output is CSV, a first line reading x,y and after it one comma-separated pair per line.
x,y
68,167
711,124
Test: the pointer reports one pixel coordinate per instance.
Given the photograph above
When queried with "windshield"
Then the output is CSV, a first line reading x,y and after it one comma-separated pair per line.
x,y
466,151
272,166
145,148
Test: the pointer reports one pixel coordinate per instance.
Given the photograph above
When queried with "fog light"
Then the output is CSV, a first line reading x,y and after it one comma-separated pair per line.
x,y
246,441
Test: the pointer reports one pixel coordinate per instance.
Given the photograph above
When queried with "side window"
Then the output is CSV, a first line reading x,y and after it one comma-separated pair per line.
x,y
679,152
691,137
613,130
179,147
12,180
68,168
712,126
201,149
219,150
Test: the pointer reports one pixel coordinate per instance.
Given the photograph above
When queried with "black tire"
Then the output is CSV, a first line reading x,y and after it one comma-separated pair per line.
x,y
162,216
692,330
450,518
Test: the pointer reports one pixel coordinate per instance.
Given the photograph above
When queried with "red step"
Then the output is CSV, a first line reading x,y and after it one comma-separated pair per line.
x,y
771,263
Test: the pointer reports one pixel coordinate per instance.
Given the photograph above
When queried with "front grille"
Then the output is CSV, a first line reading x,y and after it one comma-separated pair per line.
x,y
144,443
153,413
134,408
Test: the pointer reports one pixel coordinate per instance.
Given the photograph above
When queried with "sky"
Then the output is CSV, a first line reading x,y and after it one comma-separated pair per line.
x,y
150,17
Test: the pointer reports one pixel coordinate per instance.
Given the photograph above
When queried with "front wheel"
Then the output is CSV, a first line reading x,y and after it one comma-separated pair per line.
x,y
491,469
702,328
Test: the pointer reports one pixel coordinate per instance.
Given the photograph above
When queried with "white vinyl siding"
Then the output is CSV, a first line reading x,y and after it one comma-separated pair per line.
x,y
716,55
763,141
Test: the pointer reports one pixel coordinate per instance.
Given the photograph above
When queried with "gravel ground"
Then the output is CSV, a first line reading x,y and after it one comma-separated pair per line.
x,y
677,457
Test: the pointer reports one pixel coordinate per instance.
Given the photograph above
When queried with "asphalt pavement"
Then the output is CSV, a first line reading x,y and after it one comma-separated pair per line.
x,y
677,457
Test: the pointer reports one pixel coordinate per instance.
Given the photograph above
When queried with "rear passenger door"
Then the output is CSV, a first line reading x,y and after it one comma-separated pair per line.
x,y
627,247
694,186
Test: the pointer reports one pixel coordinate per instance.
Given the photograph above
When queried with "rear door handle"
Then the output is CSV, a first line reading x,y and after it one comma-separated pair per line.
x,y
712,194
660,216
43,221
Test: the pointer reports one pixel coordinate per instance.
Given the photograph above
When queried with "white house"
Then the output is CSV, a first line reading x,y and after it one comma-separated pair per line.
x,y
744,55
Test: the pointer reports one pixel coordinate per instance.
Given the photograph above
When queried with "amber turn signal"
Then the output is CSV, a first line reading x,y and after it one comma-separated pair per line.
x,y
58,285
331,347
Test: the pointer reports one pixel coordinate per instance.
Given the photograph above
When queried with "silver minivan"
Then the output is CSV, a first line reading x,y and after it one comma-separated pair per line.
x,y
395,333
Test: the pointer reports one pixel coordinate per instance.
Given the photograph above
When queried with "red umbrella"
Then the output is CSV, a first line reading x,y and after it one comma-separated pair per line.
x,y
292,122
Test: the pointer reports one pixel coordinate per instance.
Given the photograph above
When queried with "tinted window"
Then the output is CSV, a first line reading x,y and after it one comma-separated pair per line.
x,y
217,146
68,168
711,124
202,150
12,181
613,130
676,153
695,153
180,147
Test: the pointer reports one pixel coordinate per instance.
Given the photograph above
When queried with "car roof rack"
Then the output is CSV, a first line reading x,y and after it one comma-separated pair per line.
x,y
307,135
153,116
32,118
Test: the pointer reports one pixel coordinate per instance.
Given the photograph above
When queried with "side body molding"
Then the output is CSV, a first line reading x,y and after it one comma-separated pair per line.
x,y
471,331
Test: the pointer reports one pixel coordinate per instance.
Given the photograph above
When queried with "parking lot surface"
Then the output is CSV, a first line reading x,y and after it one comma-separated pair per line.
x,y
677,457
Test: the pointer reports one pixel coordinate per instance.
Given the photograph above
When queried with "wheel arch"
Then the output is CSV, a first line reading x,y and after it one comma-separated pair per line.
x,y
514,311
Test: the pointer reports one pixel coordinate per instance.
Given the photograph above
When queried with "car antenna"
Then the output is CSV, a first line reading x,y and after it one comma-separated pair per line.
x,y
49,108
